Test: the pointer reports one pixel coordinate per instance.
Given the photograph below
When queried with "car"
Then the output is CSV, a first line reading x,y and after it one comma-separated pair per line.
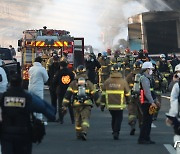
x,y
10,63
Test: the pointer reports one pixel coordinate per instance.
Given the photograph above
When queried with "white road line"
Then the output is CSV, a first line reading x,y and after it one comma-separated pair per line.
x,y
167,97
170,149
153,125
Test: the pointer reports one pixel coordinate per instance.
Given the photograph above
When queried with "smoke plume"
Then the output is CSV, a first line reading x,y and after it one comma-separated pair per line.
x,y
15,17
101,22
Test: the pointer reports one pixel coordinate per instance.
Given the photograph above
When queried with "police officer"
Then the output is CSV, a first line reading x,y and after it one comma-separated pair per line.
x,y
61,82
115,93
83,93
147,102
17,106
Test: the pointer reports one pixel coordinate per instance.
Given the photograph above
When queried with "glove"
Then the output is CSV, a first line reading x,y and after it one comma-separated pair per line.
x,y
102,108
97,104
152,109
64,110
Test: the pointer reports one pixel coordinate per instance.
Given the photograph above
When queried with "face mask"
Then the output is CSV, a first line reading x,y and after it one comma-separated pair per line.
x,y
178,74
150,72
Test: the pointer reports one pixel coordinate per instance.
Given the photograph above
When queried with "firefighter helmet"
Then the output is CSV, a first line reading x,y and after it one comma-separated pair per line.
x,y
81,69
162,56
104,54
127,51
115,67
109,51
138,64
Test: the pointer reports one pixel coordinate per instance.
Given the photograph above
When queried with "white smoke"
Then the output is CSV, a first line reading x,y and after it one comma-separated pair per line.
x,y
101,22
15,17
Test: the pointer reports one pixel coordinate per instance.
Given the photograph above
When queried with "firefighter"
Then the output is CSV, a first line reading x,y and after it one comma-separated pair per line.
x,y
83,93
165,68
104,71
50,60
174,60
128,62
115,59
92,66
148,106
115,94
157,80
134,109
142,56
61,82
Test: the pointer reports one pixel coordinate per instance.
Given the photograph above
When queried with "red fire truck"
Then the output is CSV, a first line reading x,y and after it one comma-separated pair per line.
x,y
43,42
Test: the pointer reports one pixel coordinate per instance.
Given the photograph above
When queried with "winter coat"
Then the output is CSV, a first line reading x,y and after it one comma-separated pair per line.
x,y
173,111
38,76
4,82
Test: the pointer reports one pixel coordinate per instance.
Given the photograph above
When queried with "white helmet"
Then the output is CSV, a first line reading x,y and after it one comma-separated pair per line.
x,y
162,56
177,68
146,65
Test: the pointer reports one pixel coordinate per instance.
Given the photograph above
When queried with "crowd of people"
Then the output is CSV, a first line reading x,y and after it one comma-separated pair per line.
x,y
110,80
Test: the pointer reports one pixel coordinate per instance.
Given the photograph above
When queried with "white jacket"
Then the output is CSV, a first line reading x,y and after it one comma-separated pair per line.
x,y
173,111
38,76
4,82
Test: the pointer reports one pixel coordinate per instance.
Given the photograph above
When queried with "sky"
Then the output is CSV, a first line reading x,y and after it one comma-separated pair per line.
x,y
98,21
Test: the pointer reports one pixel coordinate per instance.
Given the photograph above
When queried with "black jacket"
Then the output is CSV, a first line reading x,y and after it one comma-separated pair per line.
x,y
62,79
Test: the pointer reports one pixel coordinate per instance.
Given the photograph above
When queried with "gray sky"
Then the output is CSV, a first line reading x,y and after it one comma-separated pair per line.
x,y
90,19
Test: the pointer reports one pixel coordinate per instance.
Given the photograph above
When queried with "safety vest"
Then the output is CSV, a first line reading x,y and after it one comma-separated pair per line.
x,y
142,95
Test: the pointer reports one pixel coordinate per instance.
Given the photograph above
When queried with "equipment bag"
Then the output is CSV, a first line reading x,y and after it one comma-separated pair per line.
x,y
38,130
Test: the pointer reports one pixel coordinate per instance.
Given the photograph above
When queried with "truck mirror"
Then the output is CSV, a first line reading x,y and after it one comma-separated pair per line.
x,y
19,43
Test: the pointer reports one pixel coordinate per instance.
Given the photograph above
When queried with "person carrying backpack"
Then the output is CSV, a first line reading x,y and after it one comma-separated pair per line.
x,y
81,94
134,109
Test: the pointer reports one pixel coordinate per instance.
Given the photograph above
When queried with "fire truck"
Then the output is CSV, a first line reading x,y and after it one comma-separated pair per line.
x,y
43,42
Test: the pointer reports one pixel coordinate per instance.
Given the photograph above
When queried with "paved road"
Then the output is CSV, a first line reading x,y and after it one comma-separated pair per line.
x,y
60,138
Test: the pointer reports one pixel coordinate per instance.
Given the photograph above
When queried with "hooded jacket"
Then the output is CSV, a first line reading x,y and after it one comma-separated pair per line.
x,y
38,76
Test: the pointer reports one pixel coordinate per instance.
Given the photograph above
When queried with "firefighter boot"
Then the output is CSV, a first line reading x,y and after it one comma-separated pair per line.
x,y
132,132
83,136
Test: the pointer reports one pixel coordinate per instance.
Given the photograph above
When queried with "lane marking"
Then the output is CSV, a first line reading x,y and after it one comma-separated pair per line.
x,y
170,148
167,97
153,125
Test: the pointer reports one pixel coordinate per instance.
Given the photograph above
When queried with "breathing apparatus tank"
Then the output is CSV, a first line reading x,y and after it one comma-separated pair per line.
x,y
136,87
81,95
